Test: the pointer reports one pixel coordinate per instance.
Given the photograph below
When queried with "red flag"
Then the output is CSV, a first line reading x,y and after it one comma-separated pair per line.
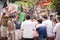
x,y
42,3
48,1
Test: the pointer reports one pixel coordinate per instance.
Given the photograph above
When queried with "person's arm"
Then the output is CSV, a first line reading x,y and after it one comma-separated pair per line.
x,y
35,32
55,28
9,25
22,28
34,27
14,26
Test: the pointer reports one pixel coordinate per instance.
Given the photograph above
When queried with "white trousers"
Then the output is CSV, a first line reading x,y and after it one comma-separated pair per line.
x,y
17,34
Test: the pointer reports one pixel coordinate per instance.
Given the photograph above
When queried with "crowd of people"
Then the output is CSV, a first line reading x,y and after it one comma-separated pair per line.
x,y
28,24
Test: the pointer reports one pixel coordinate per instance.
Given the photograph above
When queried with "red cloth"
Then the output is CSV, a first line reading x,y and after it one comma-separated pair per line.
x,y
48,1
42,3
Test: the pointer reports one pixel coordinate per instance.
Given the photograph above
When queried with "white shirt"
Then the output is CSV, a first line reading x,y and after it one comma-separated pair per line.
x,y
35,22
57,30
40,25
49,26
28,27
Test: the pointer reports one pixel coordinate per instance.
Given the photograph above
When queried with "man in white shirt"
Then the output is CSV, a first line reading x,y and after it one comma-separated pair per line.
x,y
49,26
57,29
27,28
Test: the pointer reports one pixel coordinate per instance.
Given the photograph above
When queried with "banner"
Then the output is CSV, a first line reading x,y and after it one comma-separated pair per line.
x,y
43,2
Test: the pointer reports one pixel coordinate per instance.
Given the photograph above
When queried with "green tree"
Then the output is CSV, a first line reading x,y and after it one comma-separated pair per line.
x,y
55,4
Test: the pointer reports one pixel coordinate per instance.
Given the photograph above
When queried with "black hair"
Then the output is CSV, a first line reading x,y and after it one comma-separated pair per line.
x,y
51,17
21,9
58,13
54,20
40,20
58,18
34,17
28,17
4,14
45,17
5,5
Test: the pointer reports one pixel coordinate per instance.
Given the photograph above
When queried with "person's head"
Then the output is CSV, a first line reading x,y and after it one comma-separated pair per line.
x,y
58,19
34,18
28,17
52,17
44,17
5,5
17,13
3,14
39,21
58,12
17,17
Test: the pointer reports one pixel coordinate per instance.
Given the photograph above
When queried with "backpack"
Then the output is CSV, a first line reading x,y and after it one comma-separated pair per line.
x,y
17,25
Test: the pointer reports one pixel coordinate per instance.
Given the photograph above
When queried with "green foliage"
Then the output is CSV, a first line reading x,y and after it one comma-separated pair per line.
x,y
18,2
29,3
54,4
58,5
